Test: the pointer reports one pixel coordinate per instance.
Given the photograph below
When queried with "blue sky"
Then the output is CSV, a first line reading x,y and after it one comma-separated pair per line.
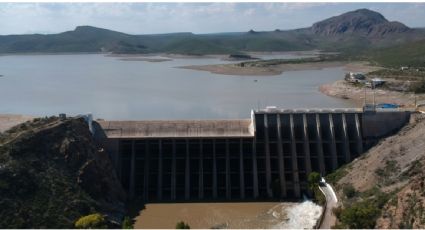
x,y
148,18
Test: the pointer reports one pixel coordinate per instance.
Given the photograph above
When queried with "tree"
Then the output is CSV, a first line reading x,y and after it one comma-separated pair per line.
x,y
127,223
91,221
313,180
349,191
182,225
360,215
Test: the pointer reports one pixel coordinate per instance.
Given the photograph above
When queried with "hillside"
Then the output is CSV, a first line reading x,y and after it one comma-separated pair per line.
x,y
52,173
352,32
384,187
362,22
408,54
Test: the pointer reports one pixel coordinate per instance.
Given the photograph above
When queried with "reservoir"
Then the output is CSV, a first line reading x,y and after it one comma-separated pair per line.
x,y
114,89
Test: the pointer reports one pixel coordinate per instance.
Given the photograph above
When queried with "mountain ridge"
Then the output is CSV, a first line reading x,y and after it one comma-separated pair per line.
x,y
354,30
362,22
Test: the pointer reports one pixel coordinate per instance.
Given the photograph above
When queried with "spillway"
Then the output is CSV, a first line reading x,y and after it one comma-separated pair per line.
x,y
266,157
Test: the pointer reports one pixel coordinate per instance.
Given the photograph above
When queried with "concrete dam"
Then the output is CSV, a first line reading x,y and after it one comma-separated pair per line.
x,y
266,157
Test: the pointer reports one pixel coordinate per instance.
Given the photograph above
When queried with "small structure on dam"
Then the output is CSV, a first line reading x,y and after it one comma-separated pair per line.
x,y
266,157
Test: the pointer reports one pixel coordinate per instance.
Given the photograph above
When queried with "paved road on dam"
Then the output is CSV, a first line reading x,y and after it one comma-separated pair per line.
x,y
329,218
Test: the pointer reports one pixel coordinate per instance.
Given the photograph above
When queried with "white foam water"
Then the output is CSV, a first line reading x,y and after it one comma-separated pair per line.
x,y
300,216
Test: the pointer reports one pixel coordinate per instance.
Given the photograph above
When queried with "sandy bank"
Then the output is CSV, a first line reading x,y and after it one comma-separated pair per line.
x,y
348,91
9,120
230,69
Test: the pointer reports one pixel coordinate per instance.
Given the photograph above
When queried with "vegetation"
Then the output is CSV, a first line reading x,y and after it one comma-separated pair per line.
x,y
364,211
407,54
313,184
360,215
91,221
337,175
313,179
43,183
127,223
349,191
182,225
419,87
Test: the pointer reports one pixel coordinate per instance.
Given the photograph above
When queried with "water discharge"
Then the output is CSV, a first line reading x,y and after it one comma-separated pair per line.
x,y
300,216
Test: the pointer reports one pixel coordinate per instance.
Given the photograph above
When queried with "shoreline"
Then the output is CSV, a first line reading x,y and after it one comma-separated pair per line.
x,y
344,90
231,69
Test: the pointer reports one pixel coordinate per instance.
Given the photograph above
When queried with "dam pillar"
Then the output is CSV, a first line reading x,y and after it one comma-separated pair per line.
x,y
254,169
159,192
228,182
297,189
214,188
146,174
132,169
187,173
358,135
201,170
241,171
267,151
346,140
319,145
281,159
173,171
333,143
306,144
119,162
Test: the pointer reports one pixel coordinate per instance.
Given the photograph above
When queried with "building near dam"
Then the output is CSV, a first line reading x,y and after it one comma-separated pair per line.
x,y
266,157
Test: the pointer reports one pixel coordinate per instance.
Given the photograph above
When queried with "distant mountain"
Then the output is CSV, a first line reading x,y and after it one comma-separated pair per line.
x,y
362,22
350,32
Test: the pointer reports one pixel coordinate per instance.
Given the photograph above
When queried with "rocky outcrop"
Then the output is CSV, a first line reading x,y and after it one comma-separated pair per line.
x,y
407,209
362,22
52,173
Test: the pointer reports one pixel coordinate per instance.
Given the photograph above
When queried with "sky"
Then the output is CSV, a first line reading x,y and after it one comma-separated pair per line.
x,y
199,18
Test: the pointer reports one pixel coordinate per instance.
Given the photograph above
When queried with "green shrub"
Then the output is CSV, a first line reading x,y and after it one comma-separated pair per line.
x,y
319,197
360,215
127,223
419,87
349,191
182,225
313,180
334,177
91,221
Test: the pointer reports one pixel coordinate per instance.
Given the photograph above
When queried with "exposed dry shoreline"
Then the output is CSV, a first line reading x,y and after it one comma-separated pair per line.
x,y
339,88
231,69
342,89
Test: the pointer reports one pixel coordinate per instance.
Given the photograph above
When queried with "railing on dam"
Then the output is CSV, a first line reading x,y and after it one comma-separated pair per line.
x,y
272,161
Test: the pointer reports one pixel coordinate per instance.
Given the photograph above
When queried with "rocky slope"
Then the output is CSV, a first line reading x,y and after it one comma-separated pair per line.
x,y
52,173
386,184
362,22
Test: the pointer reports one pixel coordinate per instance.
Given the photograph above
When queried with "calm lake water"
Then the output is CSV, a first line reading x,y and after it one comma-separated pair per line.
x,y
110,88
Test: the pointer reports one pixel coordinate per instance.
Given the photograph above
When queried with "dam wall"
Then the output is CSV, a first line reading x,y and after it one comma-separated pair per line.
x,y
266,157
